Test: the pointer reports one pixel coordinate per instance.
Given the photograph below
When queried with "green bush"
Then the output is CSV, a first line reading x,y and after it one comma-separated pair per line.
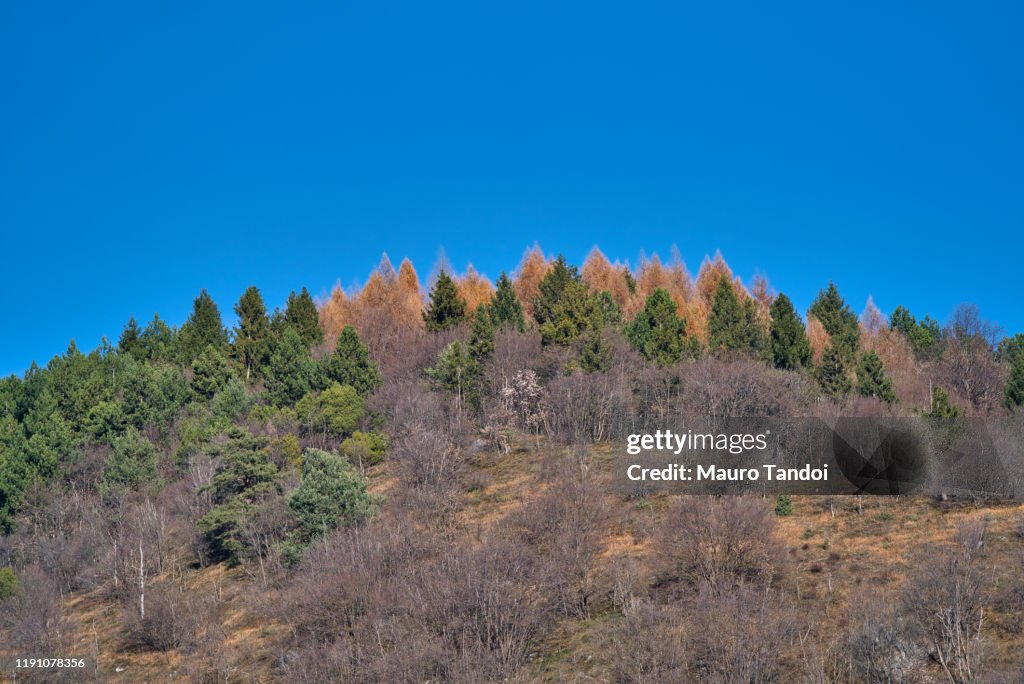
x,y
8,583
783,505
365,448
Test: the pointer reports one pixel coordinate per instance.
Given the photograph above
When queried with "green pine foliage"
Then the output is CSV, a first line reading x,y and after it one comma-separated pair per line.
x,y
925,336
291,373
872,379
202,329
300,313
1011,351
505,308
332,494
790,348
733,325
658,333
565,309
350,364
839,321
245,478
481,334
210,373
941,408
832,375
446,308
252,334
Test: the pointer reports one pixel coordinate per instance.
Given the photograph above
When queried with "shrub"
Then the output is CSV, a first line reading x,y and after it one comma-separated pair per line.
x,y
365,448
784,505
8,583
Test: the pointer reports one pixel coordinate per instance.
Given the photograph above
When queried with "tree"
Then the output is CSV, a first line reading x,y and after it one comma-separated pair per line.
x,y
505,308
839,321
211,372
129,342
291,373
925,336
342,408
446,308
481,334
725,319
252,334
203,328
564,308
941,407
132,462
831,373
1011,350
790,347
872,380
332,493
350,363
456,371
657,332
300,312
244,477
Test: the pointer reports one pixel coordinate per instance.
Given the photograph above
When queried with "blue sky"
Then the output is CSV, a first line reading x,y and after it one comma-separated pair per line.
x,y
149,150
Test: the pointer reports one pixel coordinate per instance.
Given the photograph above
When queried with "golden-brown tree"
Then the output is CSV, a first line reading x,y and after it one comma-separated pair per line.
x,y
474,288
532,269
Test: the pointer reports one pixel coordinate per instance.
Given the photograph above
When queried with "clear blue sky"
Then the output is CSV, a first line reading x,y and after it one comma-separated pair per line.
x,y
149,151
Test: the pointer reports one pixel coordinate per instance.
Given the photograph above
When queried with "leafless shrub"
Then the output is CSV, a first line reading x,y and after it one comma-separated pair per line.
x,y
720,542
591,407
946,599
649,645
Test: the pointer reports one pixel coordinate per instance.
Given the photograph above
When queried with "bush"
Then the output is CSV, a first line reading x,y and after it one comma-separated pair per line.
x,y
365,448
332,493
783,505
8,583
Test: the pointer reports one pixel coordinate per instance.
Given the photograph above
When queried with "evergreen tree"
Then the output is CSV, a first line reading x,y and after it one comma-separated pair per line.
x,y
456,371
332,493
158,341
210,373
505,308
839,321
657,332
446,308
1011,350
753,339
301,313
608,309
252,335
350,364
790,347
291,373
481,334
129,342
942,408
726,321
245,477
831,373
872,380
564,308
202,329
925,336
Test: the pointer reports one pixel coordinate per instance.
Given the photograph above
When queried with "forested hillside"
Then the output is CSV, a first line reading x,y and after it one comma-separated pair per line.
x,y
408,482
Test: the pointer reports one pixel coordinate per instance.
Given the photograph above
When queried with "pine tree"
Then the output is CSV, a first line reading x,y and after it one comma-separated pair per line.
x,y
481,334
657,332
350,364
752,335
941,407
203,328
456,371
505,308
301,313
839,321
252,334
564,308
129,342
290,373
446,308
725,319
211,373
924,336
831,373
1011,350
332,493
790,347
872,380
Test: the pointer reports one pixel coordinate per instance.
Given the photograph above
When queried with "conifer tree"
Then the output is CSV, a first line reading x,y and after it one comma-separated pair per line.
x,y
564,308
839,321
129,342
211,373
1011,350
725,319
505,308
202,329
290,373
252,334
350,364
657,332
924,336
872,380
481,334
831,373
300,312
790,347
332,493
446,308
